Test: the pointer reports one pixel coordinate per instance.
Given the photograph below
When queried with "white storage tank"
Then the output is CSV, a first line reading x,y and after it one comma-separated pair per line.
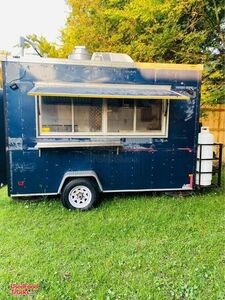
x,y
205,137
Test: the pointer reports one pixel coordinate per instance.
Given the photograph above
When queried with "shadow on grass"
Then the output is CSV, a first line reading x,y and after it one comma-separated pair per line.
x,y
133,196
103,198
37,199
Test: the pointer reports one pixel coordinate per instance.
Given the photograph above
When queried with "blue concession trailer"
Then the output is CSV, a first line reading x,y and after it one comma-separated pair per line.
x,y
76,127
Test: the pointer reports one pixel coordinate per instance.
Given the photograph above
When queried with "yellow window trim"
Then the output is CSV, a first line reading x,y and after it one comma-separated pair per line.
x,y
164,66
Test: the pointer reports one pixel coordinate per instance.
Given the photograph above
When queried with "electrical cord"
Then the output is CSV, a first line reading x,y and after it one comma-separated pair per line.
x,y
20,78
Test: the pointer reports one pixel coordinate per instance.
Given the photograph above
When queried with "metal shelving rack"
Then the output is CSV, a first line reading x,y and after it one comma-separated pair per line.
x,y
217,170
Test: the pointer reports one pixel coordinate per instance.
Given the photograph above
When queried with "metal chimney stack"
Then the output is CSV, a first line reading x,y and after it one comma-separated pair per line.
x,y
80,53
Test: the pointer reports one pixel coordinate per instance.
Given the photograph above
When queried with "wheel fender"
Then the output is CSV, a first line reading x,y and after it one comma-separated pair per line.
x,y
79,174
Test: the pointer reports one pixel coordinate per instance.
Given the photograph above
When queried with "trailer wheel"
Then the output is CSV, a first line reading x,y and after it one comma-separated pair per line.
x,y
79,194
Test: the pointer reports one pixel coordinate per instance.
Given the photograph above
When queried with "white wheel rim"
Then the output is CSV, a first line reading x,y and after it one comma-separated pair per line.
x,y
80,196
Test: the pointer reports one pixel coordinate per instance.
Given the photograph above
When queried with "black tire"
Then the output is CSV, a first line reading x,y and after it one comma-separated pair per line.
x,y
81,194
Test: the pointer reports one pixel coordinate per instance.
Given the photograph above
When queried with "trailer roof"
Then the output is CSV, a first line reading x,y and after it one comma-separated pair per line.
x,y
138,65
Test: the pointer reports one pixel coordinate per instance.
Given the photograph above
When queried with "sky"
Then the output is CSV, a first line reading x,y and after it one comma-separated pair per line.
x,y
23,17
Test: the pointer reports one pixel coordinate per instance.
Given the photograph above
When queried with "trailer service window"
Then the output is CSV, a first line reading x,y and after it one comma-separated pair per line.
x,y
85,116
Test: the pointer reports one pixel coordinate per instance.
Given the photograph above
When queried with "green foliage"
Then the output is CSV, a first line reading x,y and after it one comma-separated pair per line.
x,y
130,247
46,48
188,31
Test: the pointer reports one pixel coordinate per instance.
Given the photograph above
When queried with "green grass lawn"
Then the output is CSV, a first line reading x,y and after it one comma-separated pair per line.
x,y
130,247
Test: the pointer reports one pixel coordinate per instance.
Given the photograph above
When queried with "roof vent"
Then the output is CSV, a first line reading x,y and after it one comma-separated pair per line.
x,y
80,53
113,57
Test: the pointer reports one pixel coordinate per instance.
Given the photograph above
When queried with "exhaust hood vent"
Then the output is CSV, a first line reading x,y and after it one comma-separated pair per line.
x,y
113,57
80,53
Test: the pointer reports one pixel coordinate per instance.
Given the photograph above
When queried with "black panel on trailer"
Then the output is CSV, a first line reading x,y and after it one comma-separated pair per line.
x,y
2,142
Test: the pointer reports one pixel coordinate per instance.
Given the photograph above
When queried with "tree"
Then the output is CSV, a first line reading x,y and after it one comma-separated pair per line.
x,y
46,48
188,31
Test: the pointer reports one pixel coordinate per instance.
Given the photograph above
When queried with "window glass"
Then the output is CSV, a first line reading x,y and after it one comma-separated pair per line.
x,y
112,116
56,114
120,115
148,115
87,115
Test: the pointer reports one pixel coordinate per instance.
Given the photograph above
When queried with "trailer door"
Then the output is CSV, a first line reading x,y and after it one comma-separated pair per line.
x,y
2,143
